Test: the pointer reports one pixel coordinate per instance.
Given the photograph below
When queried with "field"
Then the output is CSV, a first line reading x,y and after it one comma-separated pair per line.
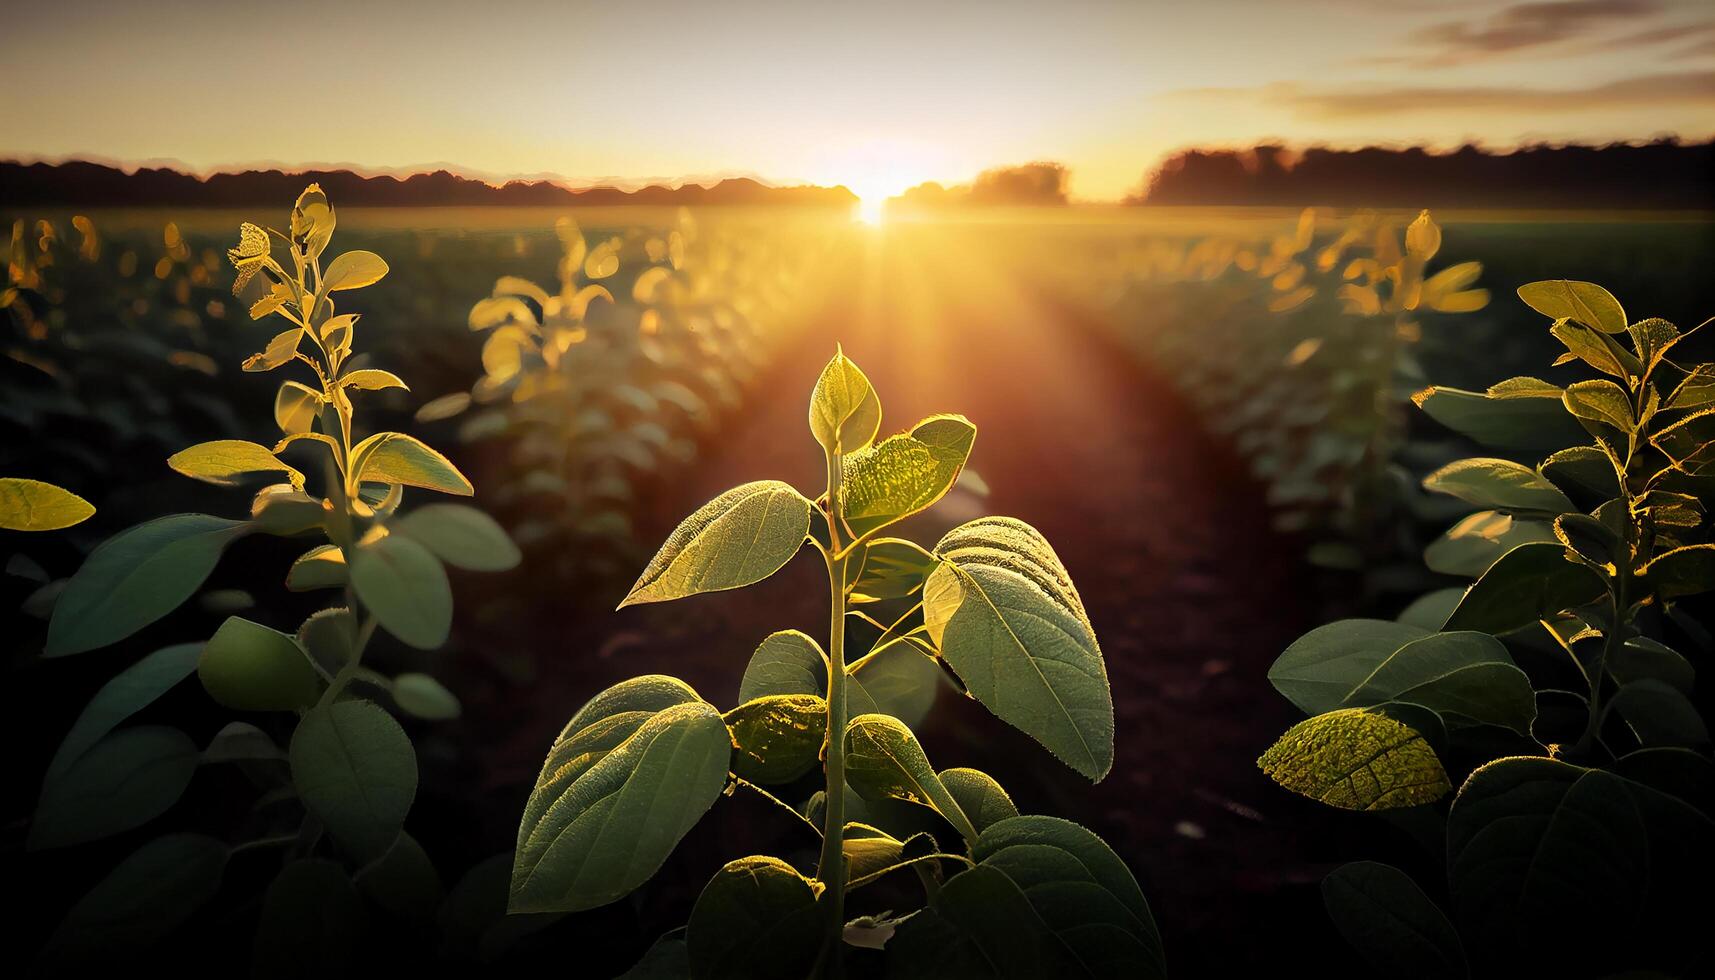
x,y
1201,442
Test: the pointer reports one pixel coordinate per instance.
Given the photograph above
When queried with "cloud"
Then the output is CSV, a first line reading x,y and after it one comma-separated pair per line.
x,y
1525,28
1690,88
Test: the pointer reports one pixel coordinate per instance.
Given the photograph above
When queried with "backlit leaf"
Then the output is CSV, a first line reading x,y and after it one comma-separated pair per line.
x,y
394,457
461,536
787,662
904,473
1356,759
845,413
629,775
1584,302
1681,571
1601,401
1510,422
777,737
296,406
1006,617
223,461
884,761
1529,583
372,379
30,505
979,796
322,567
353,270
741,537
1478,541
1498,484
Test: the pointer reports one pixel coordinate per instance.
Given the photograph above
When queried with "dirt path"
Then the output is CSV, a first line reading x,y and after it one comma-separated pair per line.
x,y
1191,594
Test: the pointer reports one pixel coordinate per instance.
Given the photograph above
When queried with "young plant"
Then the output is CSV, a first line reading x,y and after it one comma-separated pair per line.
x,y
637,766
1549,678
333,802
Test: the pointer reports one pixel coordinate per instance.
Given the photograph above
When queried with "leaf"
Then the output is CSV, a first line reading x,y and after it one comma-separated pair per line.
x,y
904,474
124,780
403,881
1596,349
223,461
777,737
1529,583
1534,843
356,772
1585,467
240,741
1321,667
845,413
312,922
1390,922
787,662
279,351
739,538
126,693
884,761
1498,484
406,588
1467,678
1696,391
296,406
424,697
1478,541
249,667
978,925
373,379
1430,610
1601,401
892,568
144,899
353,270
30,505
1006,617
136,577
444,407
394,457
1652,338
322,567
1682,571
461,536
1659,715
979,796
756,919
1641,658
633,770
1585,302
1356,759
1508,421
900,681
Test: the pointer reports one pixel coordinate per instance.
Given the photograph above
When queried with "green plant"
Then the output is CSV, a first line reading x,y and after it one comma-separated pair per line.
x,y
31,505
334,800
1550,678
642,761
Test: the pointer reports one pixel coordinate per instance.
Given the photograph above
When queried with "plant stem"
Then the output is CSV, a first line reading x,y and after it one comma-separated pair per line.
x,y
831,868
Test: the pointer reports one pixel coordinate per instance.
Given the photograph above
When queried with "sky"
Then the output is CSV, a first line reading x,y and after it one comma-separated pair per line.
x,y
877,95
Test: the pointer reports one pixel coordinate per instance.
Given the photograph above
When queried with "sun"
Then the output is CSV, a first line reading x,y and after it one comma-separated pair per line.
x,y
870,210
877,169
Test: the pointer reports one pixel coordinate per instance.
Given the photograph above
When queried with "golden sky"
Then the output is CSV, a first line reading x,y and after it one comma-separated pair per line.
x,y
876,95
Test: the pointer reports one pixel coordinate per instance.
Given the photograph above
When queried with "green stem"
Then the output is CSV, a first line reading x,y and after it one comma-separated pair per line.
x,y
831,868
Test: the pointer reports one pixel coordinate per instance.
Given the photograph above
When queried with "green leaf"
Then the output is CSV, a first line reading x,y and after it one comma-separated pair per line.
x,y
979,925
296,406
1586,467
1601,401
1478,541
1659,715
1652,337
1596,349
1585,302
403,881
1696,391
1511,422
892,568
633,770
144,899
136,577
979,796
132,689
777,737
739,538
1323,666
667,959
406,588
1356,759
1467,678
756,919
1006,617
124,780
353,270
461,536
1533,844
372,379
223,461
394,457
1498,484
312,921
787,662
249,667
845,413
1430,610
900,681
1529,583
327,637
1641,658
424,697
322,567
356,772
1390,922
1681,571
904,474
280,509
30,505
884,761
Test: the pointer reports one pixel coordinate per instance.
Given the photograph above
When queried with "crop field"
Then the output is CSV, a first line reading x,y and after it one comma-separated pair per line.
x,y
1234,425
